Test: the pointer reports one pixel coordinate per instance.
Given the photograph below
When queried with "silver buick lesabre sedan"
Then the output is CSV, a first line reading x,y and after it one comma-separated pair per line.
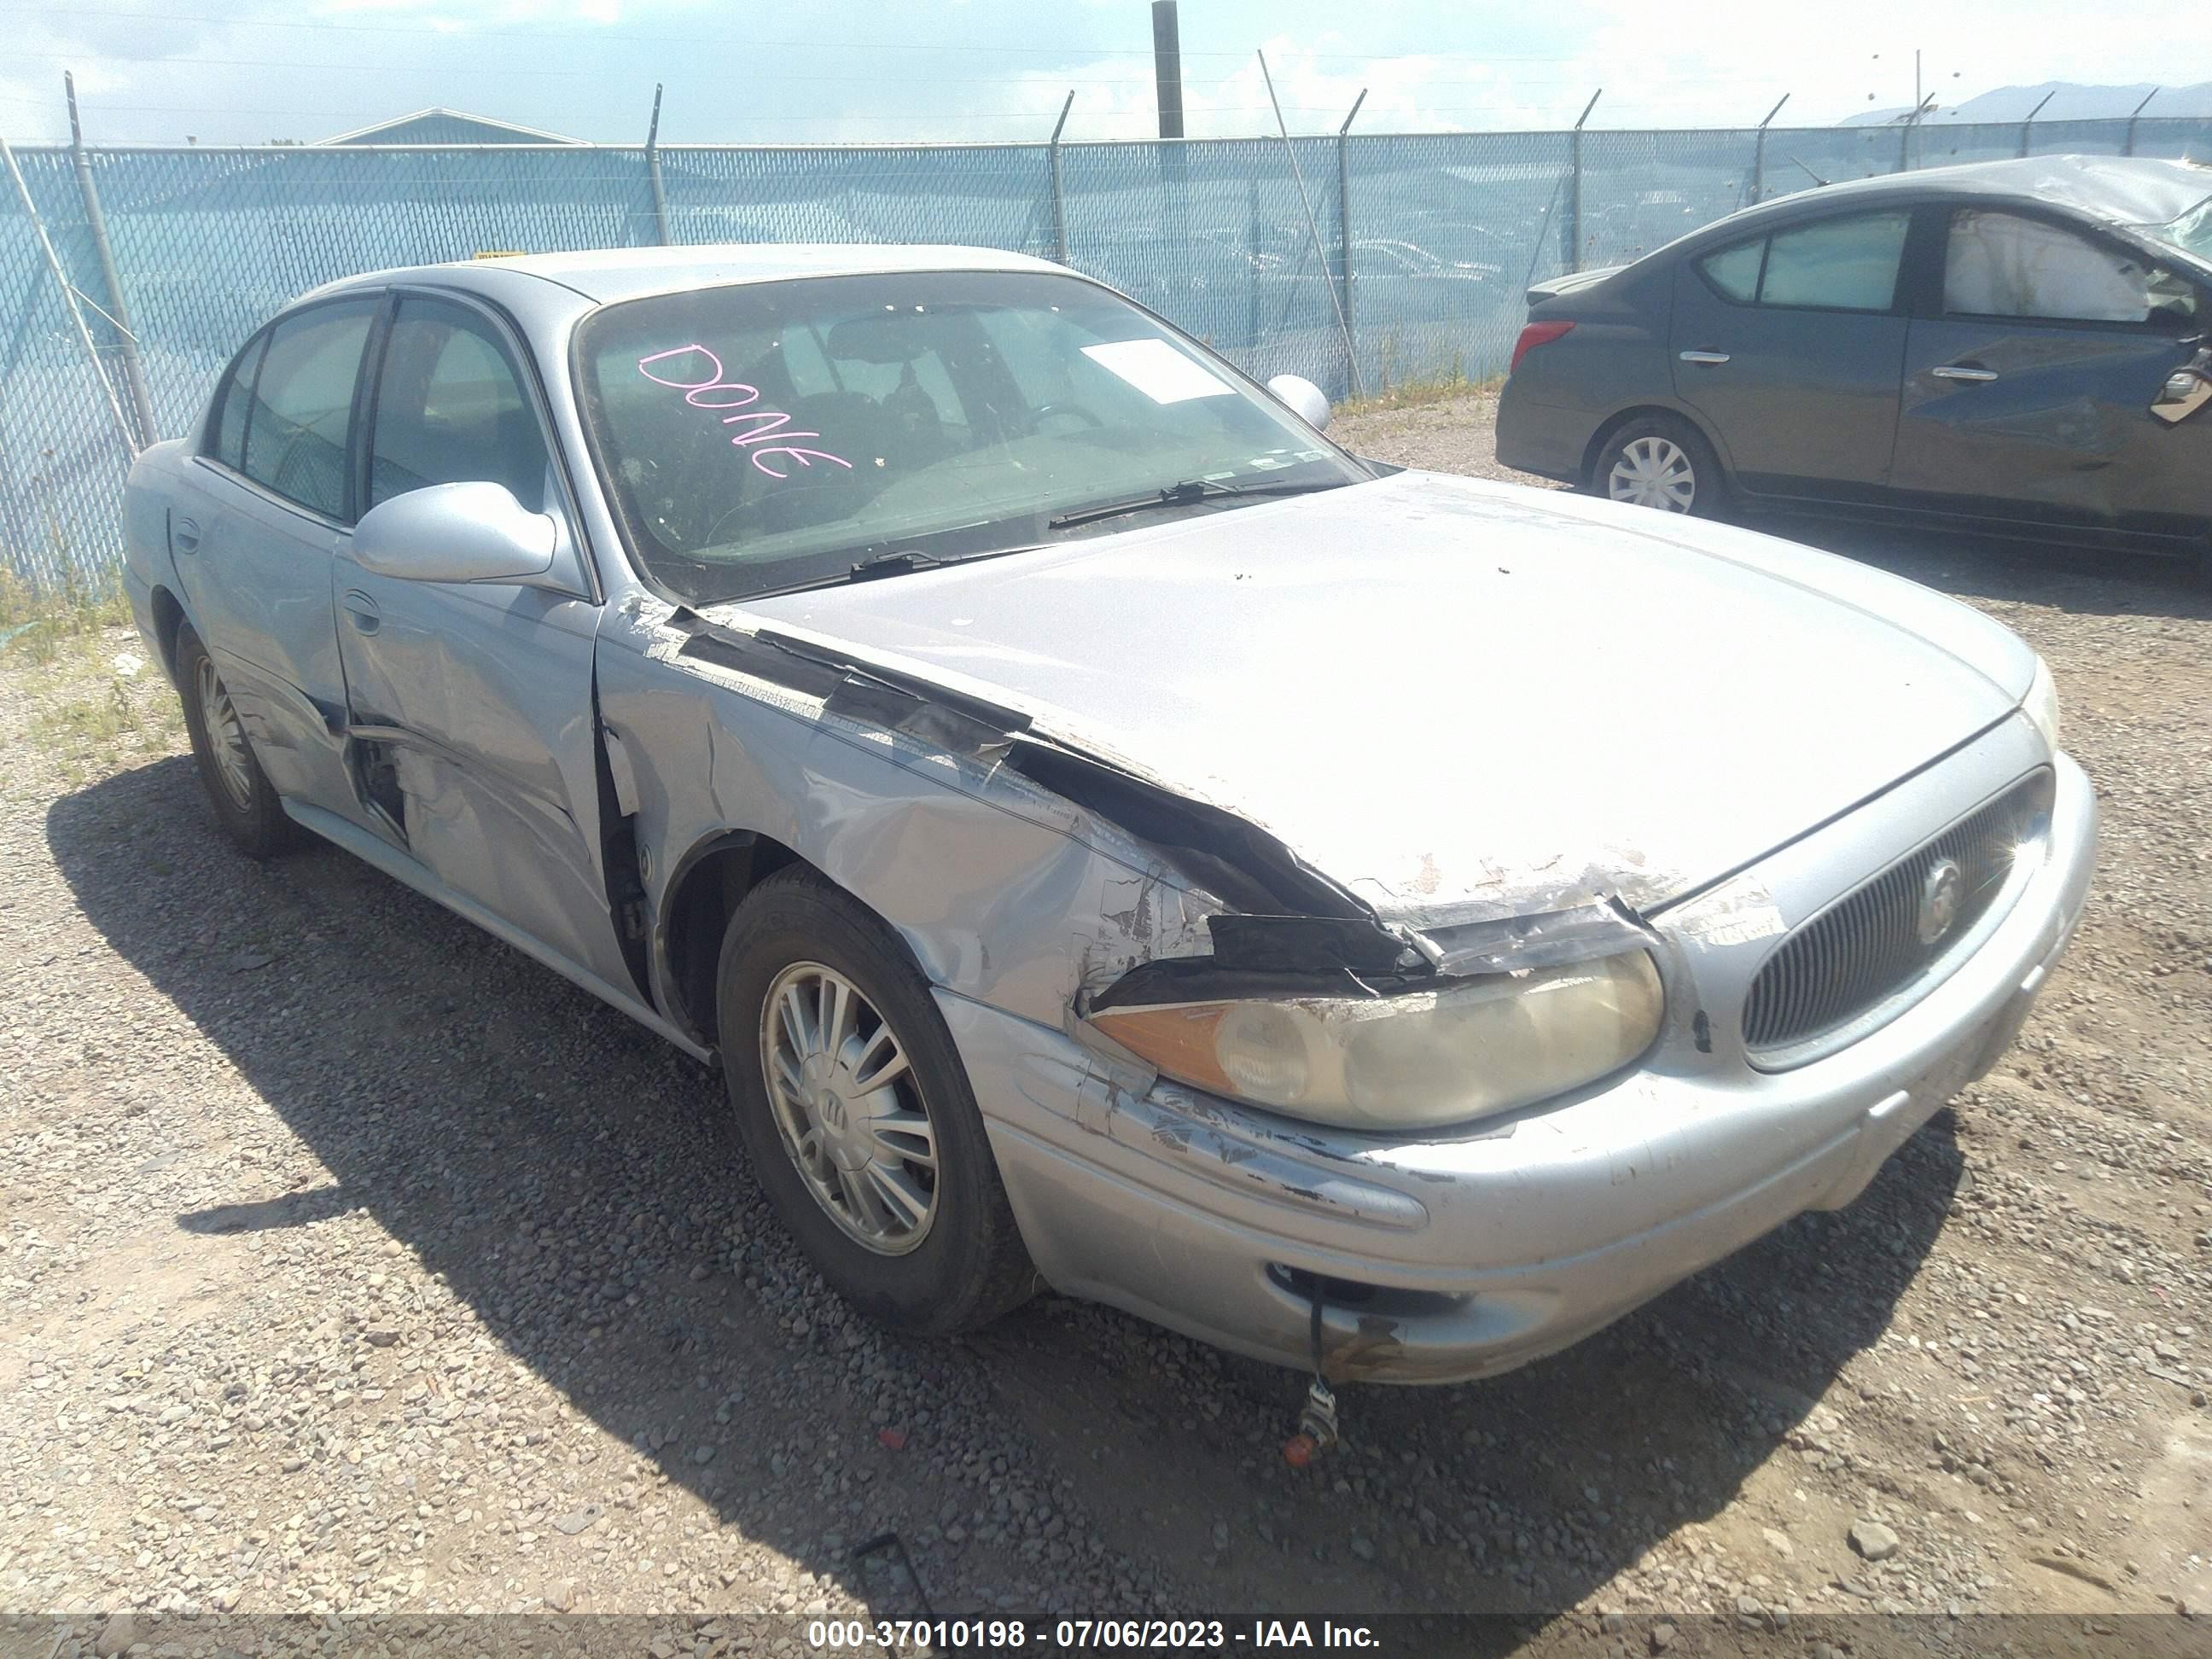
x,y
1111,837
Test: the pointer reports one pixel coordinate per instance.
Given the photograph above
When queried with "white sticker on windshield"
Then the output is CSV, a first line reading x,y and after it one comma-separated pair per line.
x,y
1159,371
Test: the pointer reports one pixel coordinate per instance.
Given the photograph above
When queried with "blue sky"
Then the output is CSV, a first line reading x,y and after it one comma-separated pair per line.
x,y
228,71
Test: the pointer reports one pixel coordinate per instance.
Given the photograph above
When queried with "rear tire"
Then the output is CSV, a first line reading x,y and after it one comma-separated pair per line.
x,y
889,1186
245,804
1662,462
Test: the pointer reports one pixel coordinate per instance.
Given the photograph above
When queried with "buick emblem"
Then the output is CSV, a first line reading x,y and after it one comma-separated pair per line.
x,y
1939,900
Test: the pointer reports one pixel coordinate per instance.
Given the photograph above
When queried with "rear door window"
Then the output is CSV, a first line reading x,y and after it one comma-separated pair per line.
x,y
1838,265
297,423
1848,264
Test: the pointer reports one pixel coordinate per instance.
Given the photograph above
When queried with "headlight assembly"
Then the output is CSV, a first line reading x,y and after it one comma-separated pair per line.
x,y
2041,703
1422,1058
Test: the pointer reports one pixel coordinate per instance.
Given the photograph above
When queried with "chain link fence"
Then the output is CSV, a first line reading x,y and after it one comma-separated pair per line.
x,y
1424,243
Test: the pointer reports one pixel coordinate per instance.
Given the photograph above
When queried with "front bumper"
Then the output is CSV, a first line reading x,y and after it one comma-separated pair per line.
x,y
1482,1252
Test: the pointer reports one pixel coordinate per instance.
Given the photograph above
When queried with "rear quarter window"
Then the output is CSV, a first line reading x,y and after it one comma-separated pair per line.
x,y
1734,270
226,434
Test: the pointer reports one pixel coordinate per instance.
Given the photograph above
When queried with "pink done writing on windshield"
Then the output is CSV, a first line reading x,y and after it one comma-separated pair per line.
x,y
764,432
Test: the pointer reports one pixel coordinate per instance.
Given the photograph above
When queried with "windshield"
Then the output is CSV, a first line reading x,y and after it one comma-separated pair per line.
x,y
2191,233
767,435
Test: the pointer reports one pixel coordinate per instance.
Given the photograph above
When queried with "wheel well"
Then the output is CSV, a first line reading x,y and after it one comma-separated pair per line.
x,y
701,900
169,618
1603,435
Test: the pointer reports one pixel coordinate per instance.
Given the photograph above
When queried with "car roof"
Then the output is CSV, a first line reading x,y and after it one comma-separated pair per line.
x,y
2118,189
609,275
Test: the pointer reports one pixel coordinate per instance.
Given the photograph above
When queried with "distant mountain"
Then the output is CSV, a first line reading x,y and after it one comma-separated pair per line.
x,y
2070,102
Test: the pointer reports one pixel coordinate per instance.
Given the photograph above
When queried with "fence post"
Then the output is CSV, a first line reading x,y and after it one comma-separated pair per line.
x,y
118,312
1571,226
1058,196
1344,221
1759,151
2032,114
2129,147
1904,136
1321,253
1252,242
69,301
653,169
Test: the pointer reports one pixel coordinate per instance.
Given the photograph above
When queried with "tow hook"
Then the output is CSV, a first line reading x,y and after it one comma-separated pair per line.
x,y
1317,1420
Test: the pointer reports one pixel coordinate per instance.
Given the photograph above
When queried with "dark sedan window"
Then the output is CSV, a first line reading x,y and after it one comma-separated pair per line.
x,y
1834,264
2005,264
1734,270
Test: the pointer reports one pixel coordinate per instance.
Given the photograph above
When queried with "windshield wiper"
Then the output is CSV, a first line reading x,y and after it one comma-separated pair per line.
x,y
891,561
894,562
1178,495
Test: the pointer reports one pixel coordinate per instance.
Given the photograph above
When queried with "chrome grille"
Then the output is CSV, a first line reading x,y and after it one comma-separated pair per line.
x,y
1866,948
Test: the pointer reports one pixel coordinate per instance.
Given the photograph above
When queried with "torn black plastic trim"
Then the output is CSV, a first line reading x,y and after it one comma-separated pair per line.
x,y
1237,861
880,696
1203,978
1358,944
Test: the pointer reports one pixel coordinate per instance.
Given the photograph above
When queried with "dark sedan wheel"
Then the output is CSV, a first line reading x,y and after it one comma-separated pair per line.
x,y
1662,462
857,1113
245,802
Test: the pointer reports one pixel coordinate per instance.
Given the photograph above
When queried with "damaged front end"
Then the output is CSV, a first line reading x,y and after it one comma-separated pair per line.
x,y
1229,965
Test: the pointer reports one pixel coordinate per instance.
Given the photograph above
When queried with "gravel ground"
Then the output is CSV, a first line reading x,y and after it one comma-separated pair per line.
x,y
353,1262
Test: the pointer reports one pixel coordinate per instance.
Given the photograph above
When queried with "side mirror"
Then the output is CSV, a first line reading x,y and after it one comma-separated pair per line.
x,y
456,533
1302,398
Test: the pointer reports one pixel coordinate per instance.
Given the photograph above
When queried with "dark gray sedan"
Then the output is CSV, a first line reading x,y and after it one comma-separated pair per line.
x,y
2021,345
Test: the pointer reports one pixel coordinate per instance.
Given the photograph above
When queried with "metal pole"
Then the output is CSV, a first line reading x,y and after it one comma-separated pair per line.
x,y
69,299
1904,136
134,374
1570,228
1343,220
1167,67
1351,359
2032,114
1058,196
1252,242
1759,150
2129,148
653,169
1542,227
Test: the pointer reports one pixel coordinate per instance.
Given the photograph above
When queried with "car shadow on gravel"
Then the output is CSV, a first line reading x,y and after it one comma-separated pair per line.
x,y
2088,581
569,1178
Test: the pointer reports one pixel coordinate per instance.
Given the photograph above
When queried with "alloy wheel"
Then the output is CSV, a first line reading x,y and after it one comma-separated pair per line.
x,y
848,1109
226,738
1653,471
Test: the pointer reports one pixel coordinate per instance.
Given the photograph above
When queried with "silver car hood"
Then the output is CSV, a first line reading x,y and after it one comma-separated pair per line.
x,y
1459,699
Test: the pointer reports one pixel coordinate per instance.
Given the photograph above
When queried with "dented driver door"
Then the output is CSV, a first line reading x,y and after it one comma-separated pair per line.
x,y
471,736
2033,393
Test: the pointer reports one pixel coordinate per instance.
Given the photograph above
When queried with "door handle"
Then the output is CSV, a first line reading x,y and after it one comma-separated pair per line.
x,y
1704,359
185,535
1956,372
363,611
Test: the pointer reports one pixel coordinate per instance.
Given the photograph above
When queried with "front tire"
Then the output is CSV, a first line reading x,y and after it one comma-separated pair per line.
x,y
857,1113
1659,461
245,804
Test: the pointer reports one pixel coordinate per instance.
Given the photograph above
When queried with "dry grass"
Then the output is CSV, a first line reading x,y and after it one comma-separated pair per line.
x,y
1418,393
96,703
